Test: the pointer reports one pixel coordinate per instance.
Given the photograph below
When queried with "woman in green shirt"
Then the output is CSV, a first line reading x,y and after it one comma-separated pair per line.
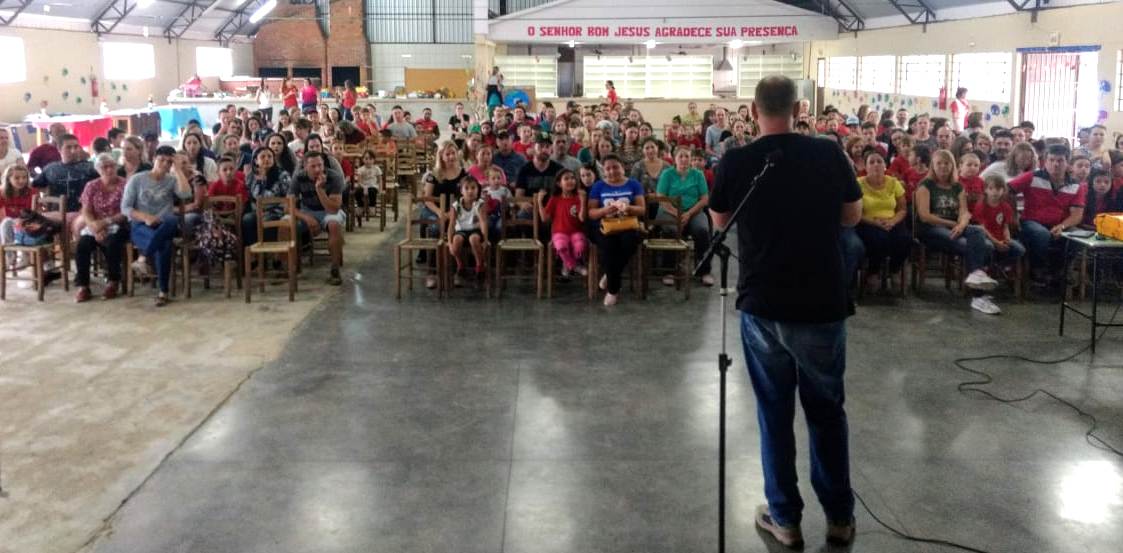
x,y
689,184
942,211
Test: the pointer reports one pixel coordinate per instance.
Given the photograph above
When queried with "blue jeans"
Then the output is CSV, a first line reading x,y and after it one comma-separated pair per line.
x,y
853,250
156,244
1038,240
973,244
811,357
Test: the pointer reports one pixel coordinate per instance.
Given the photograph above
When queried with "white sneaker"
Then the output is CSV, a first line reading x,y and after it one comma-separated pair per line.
x,y
604,282
708,280
581,270
430,282
140,267
669,280
984,304
980,280
565,273
609,299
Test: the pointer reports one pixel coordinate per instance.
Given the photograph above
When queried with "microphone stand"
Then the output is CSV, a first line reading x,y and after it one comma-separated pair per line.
x,y
719,249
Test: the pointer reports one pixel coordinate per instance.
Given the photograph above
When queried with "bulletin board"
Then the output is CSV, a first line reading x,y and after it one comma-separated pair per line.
x,y
455,80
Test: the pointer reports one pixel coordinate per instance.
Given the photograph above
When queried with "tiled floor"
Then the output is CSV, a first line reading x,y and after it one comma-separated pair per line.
x,y
469,425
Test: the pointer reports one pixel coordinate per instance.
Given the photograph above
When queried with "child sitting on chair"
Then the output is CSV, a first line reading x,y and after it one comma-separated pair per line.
x,y
498,200
369,176
466,225
996,216
565,210
1102,198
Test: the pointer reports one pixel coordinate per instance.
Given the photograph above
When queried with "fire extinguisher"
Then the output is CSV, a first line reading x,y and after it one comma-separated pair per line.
x,y
943,99
93,86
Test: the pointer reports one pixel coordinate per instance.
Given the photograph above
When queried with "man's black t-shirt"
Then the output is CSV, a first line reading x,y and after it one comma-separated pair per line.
x,y
790,262
532,180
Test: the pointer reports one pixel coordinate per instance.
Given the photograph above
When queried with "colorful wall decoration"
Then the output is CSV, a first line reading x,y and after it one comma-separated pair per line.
x,y
848,101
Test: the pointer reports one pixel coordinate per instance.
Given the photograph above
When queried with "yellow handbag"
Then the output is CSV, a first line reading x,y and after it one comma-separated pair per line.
x,y
1110,225
614,225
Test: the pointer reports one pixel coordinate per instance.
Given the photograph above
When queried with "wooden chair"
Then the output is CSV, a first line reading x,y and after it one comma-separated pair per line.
x,y
389,197
53,255
283,245
551,260
450,268
950,263
407,165
513,240
670,241
435,246
593,280
863,270
227,211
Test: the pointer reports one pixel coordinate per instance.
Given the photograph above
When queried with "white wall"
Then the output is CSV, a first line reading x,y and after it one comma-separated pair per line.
x,y
389,66
49,52
1071,26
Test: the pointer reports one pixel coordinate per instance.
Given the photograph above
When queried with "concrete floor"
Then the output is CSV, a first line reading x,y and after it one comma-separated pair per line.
x,y
554,426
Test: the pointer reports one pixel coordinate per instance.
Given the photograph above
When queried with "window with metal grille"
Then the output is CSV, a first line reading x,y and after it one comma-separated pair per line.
x,y
541,72
752,68
986,75
877,73
650,76
922,75
842,73
413,21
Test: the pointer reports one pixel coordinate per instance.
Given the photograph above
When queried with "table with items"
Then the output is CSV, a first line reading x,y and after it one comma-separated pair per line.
x,y
1100,254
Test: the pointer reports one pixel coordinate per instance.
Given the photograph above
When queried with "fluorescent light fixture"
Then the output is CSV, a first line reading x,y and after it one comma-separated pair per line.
x,y
650,44
735,44
46,8
144,3
407,55
263,11
571,44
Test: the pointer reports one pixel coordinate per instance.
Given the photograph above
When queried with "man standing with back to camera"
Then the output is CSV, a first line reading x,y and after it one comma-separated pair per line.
x,y
793,302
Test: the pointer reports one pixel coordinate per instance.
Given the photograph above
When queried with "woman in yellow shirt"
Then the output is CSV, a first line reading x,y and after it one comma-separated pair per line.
x,y
883,229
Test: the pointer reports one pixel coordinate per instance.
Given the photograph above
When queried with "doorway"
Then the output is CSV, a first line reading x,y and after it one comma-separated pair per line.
x,y
339,74
1059,89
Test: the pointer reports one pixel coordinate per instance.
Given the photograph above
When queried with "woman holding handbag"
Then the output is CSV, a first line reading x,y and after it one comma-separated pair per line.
x,y
617,202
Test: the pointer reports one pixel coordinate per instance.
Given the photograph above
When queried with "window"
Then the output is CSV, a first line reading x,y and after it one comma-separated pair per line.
x,y
877,73
752,69
128,60
13,64
842,73
922,75
985,75
213,62
650,76
541,72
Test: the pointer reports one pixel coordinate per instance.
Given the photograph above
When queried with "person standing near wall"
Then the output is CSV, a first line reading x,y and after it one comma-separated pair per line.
x,y
494,90
309,97
960,108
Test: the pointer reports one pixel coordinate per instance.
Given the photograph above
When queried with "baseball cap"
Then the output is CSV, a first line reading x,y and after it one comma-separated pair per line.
x,y
851,120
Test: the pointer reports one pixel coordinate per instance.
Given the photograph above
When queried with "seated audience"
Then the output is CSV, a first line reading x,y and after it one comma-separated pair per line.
x,y
466,225
265,179
16,196
565,213
105,229
689,186
319,195
885,234
996,217
1053,203
648,170
149,203
68,177
615,195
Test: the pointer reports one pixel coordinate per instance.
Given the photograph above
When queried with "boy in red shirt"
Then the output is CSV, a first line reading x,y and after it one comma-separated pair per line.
x,y
230,181
689,139
969,167
996,216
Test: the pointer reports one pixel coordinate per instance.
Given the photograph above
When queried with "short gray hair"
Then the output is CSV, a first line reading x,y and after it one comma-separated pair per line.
x,y
775,96
104,157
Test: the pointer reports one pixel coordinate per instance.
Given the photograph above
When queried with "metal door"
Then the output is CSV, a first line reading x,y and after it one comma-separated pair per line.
x,y
1049,92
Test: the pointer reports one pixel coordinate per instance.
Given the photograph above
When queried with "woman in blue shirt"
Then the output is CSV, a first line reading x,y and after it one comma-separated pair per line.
x,y
615,195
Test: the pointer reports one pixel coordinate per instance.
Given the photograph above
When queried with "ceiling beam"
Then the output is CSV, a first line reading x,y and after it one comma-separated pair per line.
x,y
16,7
848,19
237,21
189,2
323,17
1037,5
916,11
114,12
191,12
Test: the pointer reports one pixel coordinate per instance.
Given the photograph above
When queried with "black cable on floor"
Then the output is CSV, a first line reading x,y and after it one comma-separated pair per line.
x,y
909,537
985,379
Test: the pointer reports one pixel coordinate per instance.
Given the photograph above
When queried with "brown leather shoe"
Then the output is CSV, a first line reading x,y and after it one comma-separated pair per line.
x,y
82,296
790,537
840,535
110,291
